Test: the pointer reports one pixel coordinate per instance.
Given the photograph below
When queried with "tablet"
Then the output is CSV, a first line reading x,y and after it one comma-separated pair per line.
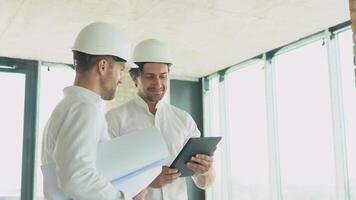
x,y
197,145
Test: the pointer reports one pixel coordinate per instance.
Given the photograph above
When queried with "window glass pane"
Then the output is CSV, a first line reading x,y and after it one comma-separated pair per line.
x,y
349,101
215,109
304,124
218,189
248,133
212,127
52,81
12,101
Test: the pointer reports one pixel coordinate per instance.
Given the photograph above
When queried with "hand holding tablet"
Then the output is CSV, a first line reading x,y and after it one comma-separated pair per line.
x,y
202,145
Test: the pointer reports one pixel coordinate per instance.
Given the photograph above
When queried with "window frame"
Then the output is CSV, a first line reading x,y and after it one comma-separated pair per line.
x,y
30,69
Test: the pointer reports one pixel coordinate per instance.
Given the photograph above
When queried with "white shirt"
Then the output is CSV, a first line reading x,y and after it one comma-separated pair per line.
x,y
176,125
70,141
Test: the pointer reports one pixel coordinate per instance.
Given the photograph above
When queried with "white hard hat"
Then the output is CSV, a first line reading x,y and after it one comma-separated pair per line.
x,y
152,50
101,38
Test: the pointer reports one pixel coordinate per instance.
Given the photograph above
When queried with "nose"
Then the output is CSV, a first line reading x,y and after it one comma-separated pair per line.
x,y
157,82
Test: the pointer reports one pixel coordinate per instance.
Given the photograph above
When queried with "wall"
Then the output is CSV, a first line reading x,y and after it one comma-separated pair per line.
x,y
187,95
125,92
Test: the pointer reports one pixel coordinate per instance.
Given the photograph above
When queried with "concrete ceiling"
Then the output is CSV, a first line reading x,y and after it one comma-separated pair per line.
x,y
204,35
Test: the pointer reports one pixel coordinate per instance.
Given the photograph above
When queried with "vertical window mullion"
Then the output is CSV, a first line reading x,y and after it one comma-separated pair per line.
x,y
224,128
274,166
342,181
210,192
30,127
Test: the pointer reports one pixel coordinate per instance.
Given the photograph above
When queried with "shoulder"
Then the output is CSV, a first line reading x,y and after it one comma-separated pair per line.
x,y
180,113
76,105
79,109
176,110
85,108
186,119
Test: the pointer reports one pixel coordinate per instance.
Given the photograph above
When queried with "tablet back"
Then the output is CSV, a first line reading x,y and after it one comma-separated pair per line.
x,y
201,145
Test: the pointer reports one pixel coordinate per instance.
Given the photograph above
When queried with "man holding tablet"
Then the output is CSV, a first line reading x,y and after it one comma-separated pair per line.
x,y
146,110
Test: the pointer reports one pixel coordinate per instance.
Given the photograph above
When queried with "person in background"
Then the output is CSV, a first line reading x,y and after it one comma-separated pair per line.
x,y
147,109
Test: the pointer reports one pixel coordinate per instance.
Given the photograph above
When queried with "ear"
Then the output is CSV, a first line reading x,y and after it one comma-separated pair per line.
x,y
102,66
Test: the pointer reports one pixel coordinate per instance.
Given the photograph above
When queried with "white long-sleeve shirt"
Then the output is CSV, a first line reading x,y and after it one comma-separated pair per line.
x,y
176,125
70,141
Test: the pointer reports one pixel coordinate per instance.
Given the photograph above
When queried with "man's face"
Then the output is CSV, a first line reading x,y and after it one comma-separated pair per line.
x,y
152,83
111,79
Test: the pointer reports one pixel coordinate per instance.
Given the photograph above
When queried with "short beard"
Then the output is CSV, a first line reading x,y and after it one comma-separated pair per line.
x,y
154,99
107,92
109,95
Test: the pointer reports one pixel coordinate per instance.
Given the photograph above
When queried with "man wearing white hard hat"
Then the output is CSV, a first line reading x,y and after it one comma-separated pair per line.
x,y
147,109
77,124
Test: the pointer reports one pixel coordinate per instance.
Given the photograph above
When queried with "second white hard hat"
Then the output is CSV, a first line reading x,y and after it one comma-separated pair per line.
x,y
101,38
152,50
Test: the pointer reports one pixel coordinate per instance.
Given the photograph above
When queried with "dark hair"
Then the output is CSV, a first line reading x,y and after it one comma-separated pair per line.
x,y
83,61
136,72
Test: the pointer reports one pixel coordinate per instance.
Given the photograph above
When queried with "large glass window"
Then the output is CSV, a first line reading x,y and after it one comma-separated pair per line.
x,y
12,102
304,123
349,101
308,152
248,133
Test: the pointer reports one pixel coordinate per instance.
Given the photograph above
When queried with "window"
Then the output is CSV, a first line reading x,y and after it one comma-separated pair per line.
x,y
12,102
248,133
349,102
18,80
212,111
304,124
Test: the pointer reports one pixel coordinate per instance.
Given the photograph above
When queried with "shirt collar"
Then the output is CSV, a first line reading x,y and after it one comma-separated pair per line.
x,y
81,91
159,104
141,103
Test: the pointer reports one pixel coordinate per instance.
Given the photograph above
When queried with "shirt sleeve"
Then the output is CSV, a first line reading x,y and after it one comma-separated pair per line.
x,y
75,157
113,124
202,181
191,126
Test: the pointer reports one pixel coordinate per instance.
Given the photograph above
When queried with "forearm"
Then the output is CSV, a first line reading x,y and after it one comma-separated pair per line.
x,y
79,190
203,181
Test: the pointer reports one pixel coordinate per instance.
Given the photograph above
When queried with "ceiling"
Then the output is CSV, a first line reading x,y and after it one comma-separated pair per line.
x,y
204,35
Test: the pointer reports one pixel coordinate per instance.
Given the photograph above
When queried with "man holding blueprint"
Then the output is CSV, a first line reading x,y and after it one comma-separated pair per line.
x,y
76,125
147,110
